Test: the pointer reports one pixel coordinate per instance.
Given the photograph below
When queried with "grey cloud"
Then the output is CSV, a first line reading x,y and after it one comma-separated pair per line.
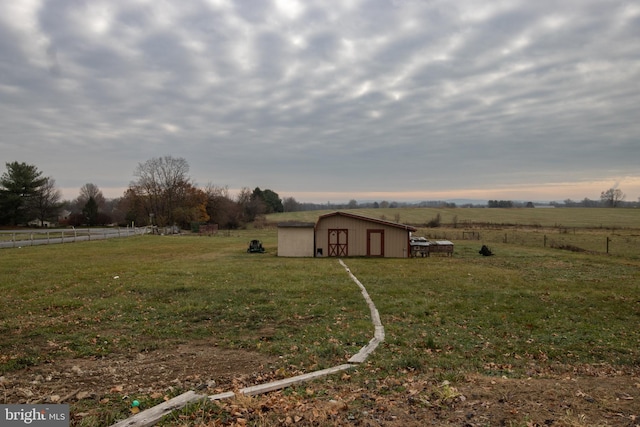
x,y
327,98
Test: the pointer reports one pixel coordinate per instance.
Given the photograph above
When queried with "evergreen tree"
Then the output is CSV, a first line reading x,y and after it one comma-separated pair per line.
x,y
19,187
90,211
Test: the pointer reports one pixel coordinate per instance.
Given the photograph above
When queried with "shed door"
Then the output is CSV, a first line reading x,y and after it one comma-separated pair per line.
x,y
375,243
338,242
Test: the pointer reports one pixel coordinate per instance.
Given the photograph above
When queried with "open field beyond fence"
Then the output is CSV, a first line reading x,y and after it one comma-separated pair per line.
x,y
567,218
530,313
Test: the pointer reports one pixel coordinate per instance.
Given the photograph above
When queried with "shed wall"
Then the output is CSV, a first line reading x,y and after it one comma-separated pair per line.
x,y
295,241
396,240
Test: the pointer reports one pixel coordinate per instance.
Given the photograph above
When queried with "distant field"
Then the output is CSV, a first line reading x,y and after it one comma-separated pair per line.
x,y
469,217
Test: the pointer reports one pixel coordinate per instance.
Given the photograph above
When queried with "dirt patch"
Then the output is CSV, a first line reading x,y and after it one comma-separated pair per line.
x,y
477,401
200,366
566,401
589,397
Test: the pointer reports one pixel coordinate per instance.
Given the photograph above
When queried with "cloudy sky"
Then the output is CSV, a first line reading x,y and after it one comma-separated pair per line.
x,y
328,100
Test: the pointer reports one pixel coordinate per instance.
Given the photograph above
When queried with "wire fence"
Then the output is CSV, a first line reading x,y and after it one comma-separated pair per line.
x,y
619,242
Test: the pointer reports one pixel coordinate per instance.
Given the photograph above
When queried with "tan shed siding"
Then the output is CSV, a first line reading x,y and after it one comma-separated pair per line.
x,y
395,239
396,243
295,242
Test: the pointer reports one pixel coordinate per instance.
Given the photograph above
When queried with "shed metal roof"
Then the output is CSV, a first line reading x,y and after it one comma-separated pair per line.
x,y
365,218
296,224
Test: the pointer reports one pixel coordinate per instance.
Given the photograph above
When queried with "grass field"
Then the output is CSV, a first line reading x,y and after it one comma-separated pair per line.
x,y
150,292
529,311
607,218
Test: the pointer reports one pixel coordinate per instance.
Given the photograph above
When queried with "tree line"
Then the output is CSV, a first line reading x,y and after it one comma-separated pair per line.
x,y
611,198
162,194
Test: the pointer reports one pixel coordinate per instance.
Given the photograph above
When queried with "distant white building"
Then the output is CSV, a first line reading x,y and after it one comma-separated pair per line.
x,y
39,223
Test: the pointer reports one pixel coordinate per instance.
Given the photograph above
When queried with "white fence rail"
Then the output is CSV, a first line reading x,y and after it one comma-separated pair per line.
x,y
20,238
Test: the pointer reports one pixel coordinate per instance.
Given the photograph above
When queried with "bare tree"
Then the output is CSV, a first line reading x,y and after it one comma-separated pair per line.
x,y
46,202
221,207
290,204
244,197
163,186
251,206
612,197
88,191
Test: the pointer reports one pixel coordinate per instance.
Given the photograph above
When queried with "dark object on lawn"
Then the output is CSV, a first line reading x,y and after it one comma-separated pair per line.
x,y
485,251
255,246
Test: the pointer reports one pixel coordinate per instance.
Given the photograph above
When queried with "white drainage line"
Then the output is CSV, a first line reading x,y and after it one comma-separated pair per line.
x,y
152,415
378,336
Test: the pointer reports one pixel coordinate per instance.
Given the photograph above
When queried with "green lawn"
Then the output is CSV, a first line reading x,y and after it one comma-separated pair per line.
x,y
528,311
148,292
153,291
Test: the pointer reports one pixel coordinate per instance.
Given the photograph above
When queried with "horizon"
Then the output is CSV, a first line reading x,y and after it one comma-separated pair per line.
x,y
538,194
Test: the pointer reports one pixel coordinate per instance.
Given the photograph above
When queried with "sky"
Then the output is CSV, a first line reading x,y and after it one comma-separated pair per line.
x,y
328,101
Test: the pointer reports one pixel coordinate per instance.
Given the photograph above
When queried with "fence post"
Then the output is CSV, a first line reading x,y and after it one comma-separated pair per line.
x,y
608,240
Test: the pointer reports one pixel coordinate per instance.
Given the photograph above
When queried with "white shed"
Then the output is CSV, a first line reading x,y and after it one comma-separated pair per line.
x,y
296,239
